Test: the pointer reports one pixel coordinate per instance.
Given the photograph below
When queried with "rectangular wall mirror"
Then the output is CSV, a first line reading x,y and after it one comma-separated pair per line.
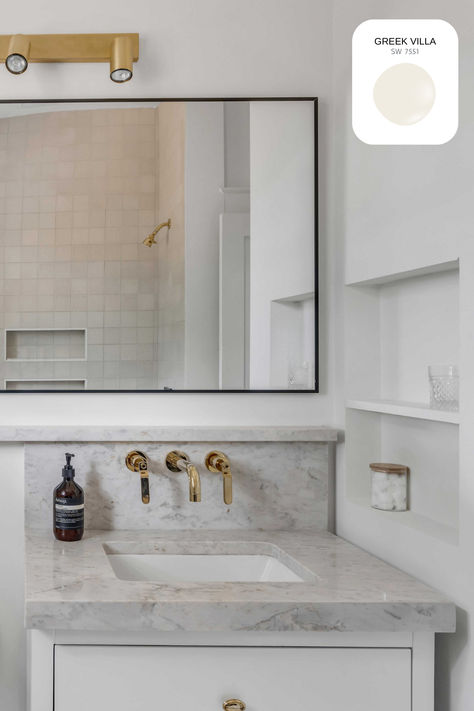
x,y
158,245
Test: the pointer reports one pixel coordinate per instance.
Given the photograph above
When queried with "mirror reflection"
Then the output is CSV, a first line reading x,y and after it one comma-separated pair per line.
x,y
158,245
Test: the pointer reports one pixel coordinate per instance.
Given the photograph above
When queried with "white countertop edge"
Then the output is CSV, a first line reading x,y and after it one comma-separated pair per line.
x,y
117,433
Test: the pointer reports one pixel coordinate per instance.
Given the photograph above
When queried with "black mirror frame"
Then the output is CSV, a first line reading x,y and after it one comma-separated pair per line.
x,y
313,99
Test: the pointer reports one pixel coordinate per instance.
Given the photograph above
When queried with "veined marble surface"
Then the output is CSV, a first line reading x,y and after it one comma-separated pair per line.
x,y
58,433
276,485
71,586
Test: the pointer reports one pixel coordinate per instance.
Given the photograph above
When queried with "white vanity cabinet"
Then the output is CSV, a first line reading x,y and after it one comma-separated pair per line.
x,y
271,671
99,677
111,627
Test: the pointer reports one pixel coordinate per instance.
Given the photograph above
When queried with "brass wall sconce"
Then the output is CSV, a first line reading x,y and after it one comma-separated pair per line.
x,y
121,50
150,240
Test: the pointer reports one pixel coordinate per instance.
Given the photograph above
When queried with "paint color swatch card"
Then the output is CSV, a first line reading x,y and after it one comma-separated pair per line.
x,y
405,82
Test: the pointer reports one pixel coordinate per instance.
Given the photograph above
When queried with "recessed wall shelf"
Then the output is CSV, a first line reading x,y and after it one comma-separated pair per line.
x,y
405,409
236,199
435,268
448,534
429,448
389,358
398,324
292,341
52,344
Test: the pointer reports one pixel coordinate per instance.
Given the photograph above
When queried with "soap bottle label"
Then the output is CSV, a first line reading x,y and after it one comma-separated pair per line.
x,y
69,513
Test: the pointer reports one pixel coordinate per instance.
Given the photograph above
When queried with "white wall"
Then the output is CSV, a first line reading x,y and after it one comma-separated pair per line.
x,y
233,299
397,207
237,143
206,49
281,219
203,176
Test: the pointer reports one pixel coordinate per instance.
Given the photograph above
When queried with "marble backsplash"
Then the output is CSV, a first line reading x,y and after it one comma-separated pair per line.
x,y
276,485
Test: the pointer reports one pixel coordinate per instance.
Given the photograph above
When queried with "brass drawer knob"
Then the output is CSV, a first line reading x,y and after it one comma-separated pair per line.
x,y
233,705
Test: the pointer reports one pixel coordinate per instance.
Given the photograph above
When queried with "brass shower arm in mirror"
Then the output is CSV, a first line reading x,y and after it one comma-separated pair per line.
x,y
150,240
120,49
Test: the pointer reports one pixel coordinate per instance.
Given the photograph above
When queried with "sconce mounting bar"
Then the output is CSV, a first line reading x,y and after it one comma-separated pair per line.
x,y
71,48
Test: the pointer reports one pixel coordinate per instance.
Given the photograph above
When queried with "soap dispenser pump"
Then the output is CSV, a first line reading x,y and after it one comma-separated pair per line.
x,y
68,506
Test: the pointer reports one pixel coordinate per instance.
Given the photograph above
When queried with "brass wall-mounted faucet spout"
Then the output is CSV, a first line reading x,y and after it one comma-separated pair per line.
x,y
177,461
218,463
138,462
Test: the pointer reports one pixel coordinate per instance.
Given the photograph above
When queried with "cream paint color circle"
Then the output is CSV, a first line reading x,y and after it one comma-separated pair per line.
x,y
404,94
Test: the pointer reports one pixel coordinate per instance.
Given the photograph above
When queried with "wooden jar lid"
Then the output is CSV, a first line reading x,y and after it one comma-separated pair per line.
x,y
388,468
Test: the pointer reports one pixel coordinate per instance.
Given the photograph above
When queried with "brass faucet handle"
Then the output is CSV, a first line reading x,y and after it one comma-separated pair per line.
x,y
218,463
136,461
145,488
233,705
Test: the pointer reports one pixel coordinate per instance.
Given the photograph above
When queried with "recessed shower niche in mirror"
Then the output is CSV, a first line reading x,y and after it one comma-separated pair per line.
x,y
158,245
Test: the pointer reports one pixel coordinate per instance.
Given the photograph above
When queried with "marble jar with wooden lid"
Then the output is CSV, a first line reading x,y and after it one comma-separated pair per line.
x,y
389,486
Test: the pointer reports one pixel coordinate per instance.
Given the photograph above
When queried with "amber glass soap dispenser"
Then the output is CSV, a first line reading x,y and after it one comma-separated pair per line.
x,y
68,506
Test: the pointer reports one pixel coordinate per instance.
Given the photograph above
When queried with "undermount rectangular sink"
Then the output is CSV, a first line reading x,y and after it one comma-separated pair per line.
x,y
171,567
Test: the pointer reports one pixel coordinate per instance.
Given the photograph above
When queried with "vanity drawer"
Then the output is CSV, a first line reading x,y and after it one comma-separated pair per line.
x,y
140,678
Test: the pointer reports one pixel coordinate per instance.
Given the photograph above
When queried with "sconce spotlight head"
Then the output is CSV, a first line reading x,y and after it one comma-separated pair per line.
x,y
18,54
16,63
121,60
121,75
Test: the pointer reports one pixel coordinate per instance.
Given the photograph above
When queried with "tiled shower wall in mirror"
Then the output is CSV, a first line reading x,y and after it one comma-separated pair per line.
x,y
83,303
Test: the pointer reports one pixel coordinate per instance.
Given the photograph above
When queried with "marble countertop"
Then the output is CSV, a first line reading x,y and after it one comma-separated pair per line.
x,y
116,433
71,586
